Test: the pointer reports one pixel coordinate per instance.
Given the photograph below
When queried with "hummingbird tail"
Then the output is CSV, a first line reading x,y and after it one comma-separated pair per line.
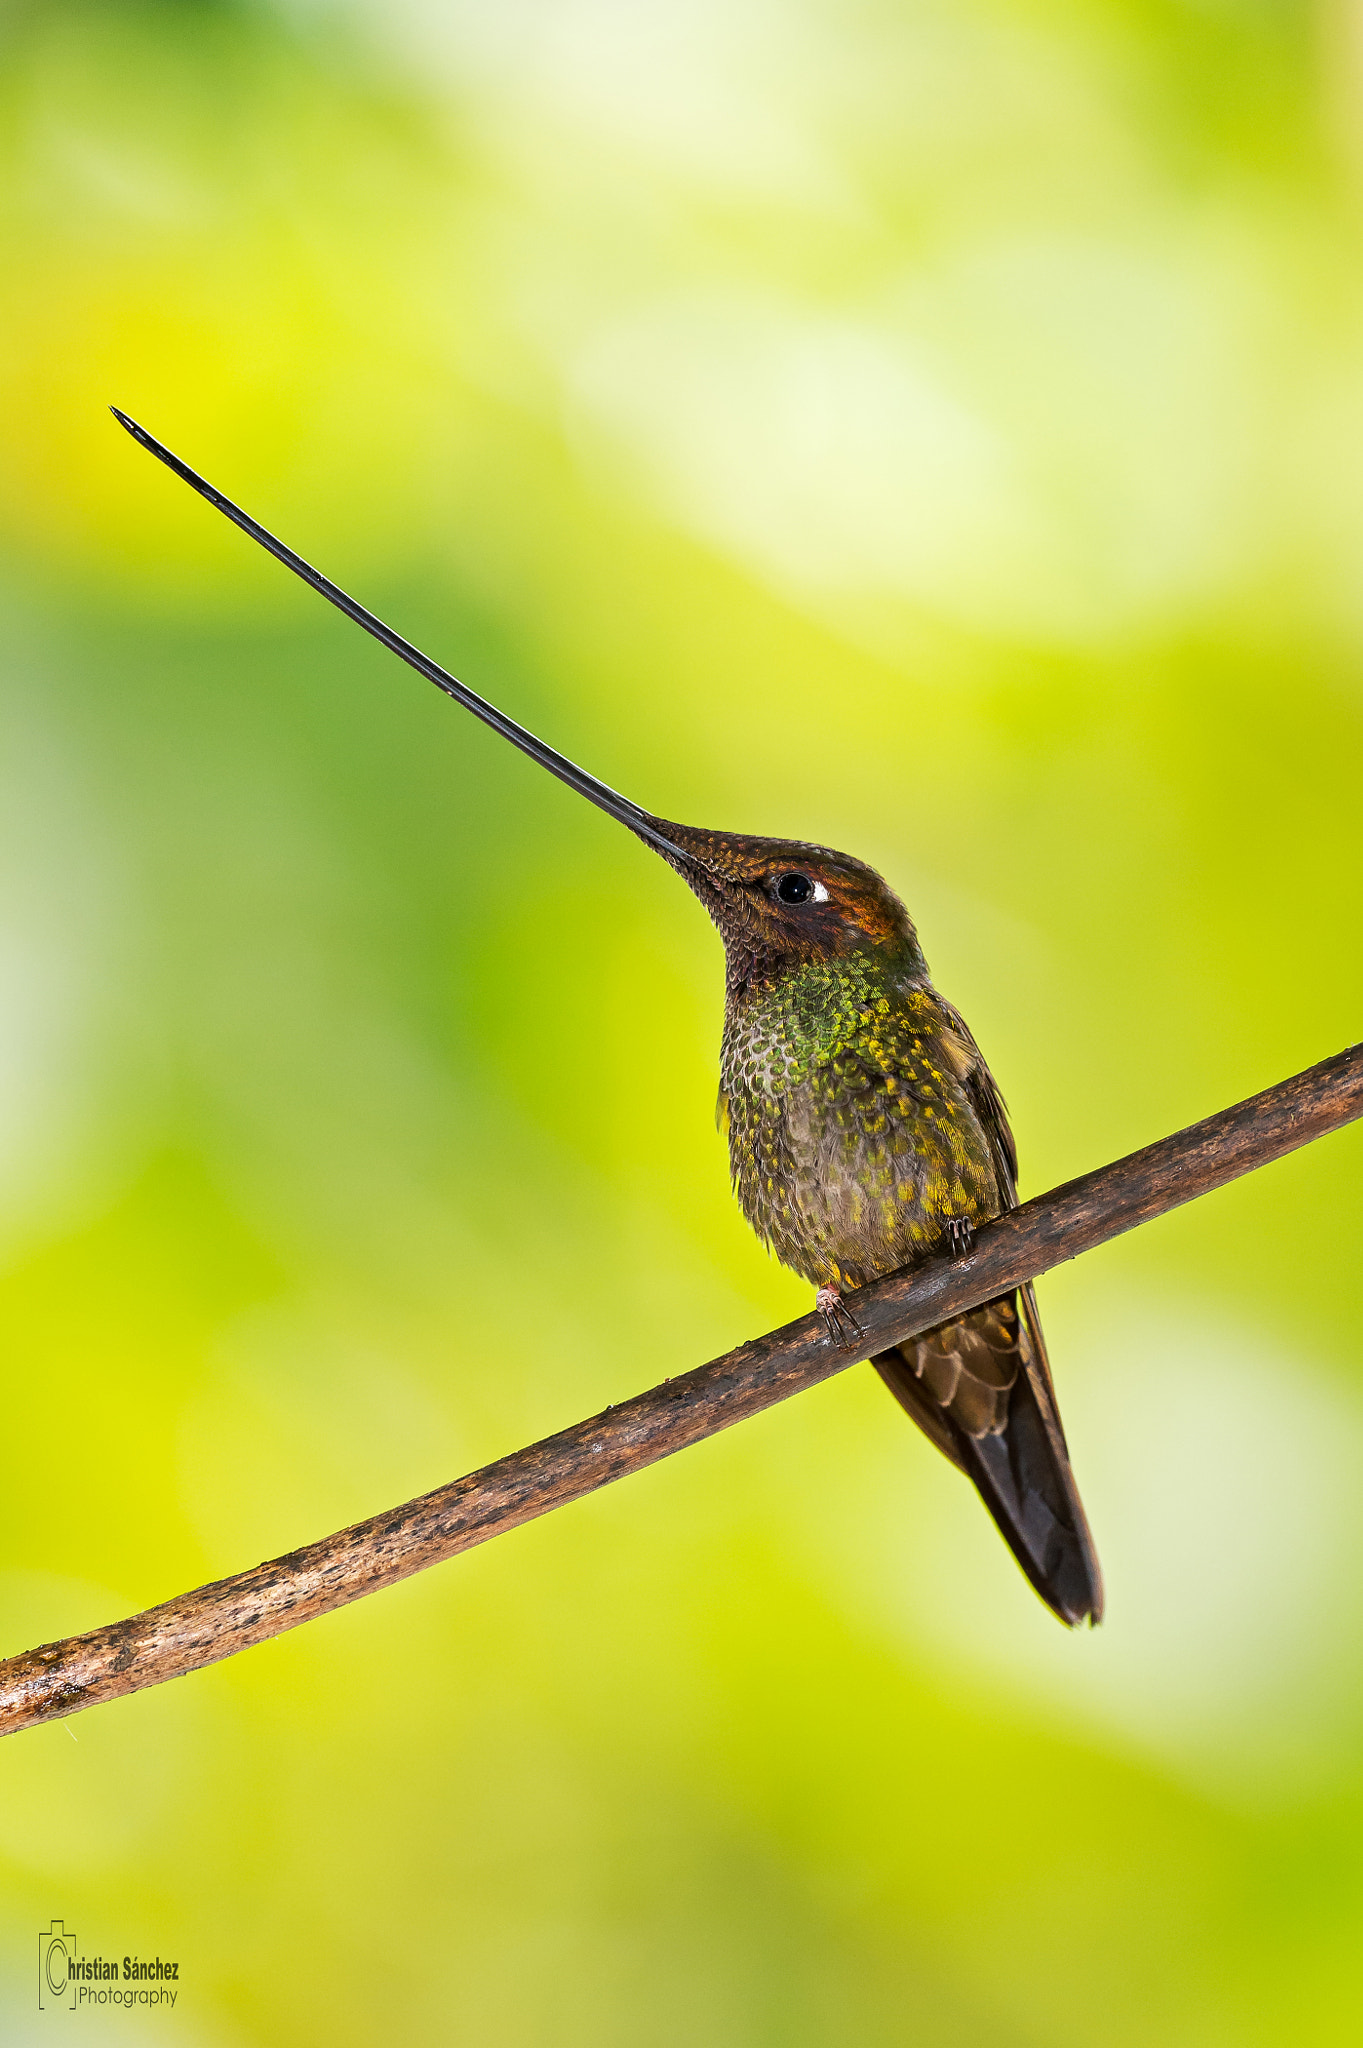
x,y
980,1387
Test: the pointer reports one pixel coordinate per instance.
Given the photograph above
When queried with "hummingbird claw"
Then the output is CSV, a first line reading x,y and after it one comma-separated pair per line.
x,y
960,1236
839,1321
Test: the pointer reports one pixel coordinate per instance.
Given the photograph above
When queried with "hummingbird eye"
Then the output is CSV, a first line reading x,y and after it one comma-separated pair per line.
x,y
800,889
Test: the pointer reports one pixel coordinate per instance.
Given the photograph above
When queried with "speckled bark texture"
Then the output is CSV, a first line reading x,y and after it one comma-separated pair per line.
x,y
215,1621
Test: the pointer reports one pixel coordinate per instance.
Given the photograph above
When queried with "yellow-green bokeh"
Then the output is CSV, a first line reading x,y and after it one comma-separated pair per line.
x,y
931,429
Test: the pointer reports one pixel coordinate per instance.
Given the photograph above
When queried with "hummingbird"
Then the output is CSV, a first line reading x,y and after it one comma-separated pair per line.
x,y
865,1130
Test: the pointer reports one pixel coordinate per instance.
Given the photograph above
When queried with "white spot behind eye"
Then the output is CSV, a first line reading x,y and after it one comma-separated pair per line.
x,y
820,893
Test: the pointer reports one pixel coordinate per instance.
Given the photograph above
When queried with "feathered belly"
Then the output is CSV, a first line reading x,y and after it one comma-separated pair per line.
x,y
846,1190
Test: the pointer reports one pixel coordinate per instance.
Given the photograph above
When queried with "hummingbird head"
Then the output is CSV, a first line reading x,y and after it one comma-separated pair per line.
x,y
778,903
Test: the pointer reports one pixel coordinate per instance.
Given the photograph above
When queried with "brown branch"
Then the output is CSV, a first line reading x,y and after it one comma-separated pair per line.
x,y
216,1621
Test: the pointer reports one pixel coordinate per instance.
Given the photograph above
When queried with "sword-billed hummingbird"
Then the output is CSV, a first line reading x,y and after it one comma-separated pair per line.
x,y
865,1130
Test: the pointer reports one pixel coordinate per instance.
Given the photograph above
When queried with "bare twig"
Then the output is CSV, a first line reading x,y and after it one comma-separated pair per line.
x,y
215,1621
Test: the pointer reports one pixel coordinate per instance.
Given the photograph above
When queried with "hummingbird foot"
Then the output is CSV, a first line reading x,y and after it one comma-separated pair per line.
x,y
839,1321
960,1236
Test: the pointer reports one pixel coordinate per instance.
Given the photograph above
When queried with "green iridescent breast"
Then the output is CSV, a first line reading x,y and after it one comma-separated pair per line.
x,y
852,1139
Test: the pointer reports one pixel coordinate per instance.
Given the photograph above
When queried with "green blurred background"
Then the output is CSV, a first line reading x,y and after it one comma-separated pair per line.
x,y
932,429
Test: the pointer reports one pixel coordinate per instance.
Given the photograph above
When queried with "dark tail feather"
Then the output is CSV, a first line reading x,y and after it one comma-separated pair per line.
x,y
981,1389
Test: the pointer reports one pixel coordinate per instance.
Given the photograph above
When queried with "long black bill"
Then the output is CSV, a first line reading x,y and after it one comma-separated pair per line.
x,y
599,793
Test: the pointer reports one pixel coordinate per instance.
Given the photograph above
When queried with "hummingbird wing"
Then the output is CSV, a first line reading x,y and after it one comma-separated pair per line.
x,y
981,1388
991,1112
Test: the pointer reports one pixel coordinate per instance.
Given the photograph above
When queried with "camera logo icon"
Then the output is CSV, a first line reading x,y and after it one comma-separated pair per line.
x,y
56,1954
